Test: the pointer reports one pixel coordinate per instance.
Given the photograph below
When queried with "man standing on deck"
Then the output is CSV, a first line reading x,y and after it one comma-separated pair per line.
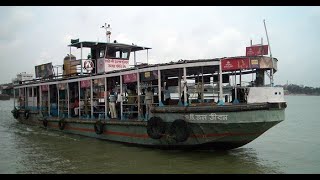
x,y
112,104
118,105
148,100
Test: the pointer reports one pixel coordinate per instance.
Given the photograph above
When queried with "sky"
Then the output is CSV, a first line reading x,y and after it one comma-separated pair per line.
x,y
31,36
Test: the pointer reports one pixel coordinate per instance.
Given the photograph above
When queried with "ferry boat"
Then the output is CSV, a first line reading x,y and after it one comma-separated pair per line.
x,y
187,104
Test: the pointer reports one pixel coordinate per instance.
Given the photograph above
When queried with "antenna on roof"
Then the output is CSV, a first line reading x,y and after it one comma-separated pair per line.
x,y
108,31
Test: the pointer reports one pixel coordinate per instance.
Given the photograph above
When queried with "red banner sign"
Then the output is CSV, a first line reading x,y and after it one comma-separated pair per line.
x,y
128,78
44,87
257,50
235,64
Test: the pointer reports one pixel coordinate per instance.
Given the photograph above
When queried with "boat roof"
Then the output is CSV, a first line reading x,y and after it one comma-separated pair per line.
x,y
91,44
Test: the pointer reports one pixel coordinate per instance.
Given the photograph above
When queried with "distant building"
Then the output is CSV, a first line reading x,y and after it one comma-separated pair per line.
x,y
22,77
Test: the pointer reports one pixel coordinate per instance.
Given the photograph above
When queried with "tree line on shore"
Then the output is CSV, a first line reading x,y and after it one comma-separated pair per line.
x,y
301,89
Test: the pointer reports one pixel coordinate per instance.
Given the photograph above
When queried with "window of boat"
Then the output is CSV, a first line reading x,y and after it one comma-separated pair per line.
x,y
118,54
125,55
101,54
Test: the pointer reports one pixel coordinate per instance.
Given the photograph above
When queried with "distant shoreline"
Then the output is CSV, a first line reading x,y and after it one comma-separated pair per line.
x,y
301,95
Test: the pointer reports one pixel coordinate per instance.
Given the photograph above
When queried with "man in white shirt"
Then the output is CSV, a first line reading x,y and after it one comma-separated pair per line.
x,y
118,105
112,104
148,99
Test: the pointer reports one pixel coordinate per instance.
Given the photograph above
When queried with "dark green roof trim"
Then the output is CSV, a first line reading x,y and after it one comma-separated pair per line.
x,y
89,44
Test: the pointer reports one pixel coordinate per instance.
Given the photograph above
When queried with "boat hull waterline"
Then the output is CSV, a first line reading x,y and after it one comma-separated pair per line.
x,y
227,127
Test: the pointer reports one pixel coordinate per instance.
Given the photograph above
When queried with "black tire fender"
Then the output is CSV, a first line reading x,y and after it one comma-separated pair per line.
x,y
62,124
15,113
45,122
179,130
26,114
98,127
156,127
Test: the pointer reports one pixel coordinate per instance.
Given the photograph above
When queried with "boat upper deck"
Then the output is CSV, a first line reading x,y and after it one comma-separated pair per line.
x,y
206,66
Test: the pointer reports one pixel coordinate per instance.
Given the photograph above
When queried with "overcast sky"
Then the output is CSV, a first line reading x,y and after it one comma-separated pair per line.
x,y
30,36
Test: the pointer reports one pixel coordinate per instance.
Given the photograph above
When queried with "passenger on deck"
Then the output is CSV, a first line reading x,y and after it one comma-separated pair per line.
x,y
118,105
182,97
148,99
76,107
21,103
112,104
167,96
142,101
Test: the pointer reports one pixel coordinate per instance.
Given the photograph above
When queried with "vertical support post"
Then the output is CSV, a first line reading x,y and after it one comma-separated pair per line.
x,y
68,100
106,98
26,98
121,103
147,56
134,59
202,85
58,107
139,95
81,60
69,61
213,86
40,99
159,88
79,83
236,101
185,93
32,98
221,100
91,97
240,78
14,97
179,88
49,102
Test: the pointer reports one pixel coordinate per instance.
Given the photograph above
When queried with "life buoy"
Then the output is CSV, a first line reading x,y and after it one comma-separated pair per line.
x,y
156,127
98,127
26,114
62,124
179,130
45,122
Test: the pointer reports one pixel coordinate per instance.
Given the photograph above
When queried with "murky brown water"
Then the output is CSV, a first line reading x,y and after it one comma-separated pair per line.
x,y
292,146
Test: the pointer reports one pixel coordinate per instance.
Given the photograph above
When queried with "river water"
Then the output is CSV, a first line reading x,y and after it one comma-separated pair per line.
x,y
293,146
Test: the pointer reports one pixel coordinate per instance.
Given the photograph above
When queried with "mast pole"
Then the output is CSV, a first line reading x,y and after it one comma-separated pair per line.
x,y
251,64
271,70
